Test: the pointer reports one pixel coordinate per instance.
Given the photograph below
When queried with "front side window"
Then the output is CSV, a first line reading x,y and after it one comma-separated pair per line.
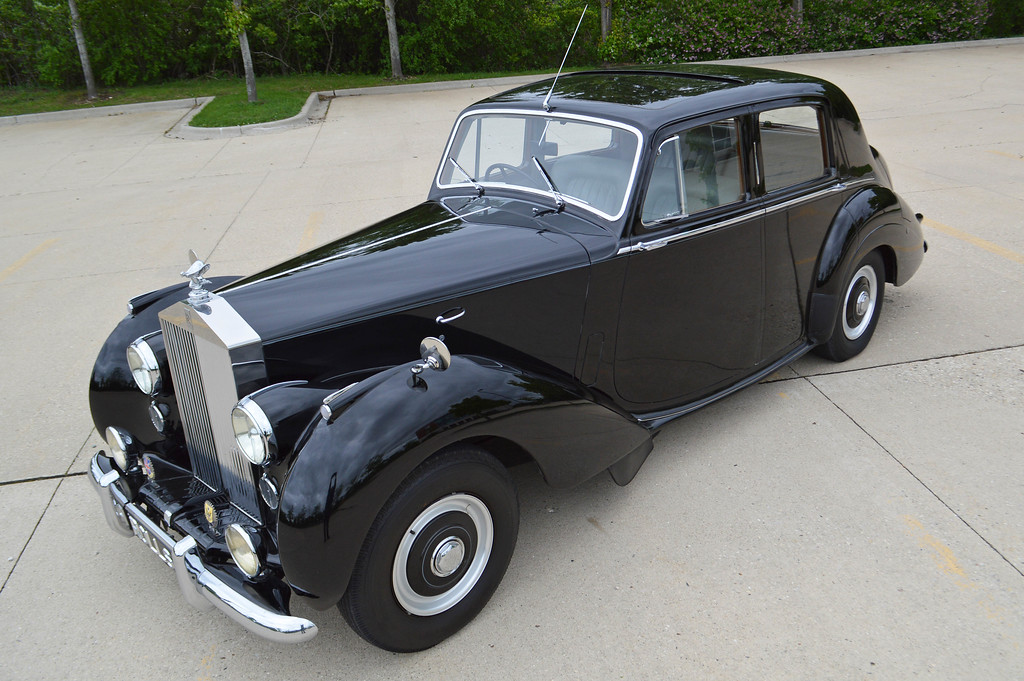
x,y
792,146
695,170
591,162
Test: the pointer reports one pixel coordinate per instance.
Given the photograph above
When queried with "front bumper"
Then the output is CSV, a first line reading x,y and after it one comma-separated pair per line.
x,y
199,584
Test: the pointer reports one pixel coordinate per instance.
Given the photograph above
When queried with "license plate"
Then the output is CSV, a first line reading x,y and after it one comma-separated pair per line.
x,y
149,539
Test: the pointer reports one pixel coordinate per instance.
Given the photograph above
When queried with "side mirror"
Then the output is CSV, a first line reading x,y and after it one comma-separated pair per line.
x,y
435,355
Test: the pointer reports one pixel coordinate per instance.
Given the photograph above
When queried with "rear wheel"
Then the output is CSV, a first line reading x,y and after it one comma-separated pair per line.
x,y
436,552
858,315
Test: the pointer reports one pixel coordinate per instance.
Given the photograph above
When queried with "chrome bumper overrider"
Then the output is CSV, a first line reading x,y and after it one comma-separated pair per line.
x,y
198,585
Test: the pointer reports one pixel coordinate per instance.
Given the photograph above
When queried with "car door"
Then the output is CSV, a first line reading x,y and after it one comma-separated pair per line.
x,y
691,310
801,191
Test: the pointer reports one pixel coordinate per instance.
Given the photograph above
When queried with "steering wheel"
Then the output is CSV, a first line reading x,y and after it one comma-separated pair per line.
x,y
507,170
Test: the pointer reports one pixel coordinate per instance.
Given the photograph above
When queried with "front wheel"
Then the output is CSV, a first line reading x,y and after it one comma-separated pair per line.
x,y
858,315
436,552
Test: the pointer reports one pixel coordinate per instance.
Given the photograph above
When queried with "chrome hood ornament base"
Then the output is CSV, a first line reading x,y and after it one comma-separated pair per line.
x,y
197,295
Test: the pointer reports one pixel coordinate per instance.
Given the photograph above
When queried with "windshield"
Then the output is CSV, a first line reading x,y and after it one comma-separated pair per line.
x,y
590,162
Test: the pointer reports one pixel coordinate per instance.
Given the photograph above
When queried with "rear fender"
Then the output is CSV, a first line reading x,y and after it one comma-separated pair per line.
x,y
383,428
873,218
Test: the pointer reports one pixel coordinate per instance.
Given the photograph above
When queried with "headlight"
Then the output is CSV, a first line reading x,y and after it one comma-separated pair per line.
x,y
253,433
118,441
145,368
242,549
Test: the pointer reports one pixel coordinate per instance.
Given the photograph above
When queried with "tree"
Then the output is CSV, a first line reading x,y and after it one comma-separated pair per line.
x,y
396,58
83,53
606,18
243,42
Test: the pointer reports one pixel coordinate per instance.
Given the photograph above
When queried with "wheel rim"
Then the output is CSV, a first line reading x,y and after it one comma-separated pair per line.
x,y
861,298
442,555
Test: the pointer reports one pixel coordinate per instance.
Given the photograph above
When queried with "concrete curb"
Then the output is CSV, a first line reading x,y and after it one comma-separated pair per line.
x,y
316,105
312,111
102,111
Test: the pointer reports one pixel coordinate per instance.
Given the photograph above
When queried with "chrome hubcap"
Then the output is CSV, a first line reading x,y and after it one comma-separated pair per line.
x,y
442,555
448,557
862,303
861,298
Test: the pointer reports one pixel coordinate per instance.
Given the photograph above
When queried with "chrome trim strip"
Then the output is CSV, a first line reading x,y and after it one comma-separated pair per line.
x,y
672,238
664,241
199,586
838,187
540,192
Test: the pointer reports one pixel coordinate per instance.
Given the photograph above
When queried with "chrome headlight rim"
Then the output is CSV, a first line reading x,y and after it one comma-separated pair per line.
x,y
253,432
145,368
243,549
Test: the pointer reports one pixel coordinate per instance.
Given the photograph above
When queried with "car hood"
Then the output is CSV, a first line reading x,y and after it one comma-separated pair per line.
x,y
422,255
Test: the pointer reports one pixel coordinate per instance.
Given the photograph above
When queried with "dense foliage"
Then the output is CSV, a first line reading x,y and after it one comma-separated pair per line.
x,y
654,31
135,41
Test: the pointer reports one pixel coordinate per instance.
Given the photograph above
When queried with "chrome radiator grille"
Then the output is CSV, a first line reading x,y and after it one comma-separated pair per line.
x,y
199,346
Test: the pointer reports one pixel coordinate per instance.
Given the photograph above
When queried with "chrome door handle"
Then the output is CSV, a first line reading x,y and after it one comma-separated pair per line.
x,y
450,315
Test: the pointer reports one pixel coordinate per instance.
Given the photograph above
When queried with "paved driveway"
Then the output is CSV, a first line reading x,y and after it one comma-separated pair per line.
x,y
835,522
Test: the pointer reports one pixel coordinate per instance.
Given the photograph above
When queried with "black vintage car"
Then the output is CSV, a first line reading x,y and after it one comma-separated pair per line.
x,y
596,257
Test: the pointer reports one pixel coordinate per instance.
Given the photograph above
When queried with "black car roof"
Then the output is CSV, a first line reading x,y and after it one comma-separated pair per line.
x,y
649,97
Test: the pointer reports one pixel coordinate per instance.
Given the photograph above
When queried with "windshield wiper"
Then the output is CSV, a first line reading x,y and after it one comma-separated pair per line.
x,y
559,200
476,185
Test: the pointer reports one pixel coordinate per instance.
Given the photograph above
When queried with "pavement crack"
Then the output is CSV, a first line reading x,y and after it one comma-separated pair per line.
x,y
17,559
910,472
238,214
319,129
41,478
887,365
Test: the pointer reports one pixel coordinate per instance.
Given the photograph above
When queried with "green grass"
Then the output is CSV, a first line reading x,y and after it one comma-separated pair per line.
x,y
279,96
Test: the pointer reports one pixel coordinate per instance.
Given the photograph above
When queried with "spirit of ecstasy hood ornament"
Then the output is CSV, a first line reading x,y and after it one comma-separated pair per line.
x,y
197,295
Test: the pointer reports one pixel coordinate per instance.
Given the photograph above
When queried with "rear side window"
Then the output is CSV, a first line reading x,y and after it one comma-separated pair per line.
x,y
695,170
792,146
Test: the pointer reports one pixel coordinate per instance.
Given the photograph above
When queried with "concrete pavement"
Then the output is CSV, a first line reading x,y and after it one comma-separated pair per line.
x,y
836,522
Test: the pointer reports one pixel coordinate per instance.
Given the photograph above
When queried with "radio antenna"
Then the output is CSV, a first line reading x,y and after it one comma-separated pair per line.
x,y
547,107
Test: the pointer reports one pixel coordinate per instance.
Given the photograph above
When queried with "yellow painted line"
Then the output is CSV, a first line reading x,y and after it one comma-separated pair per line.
x,y
942,555
316,218
975,241
1016,157
11,269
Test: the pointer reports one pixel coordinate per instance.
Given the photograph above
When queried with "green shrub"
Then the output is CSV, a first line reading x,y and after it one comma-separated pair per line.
x,y
653,31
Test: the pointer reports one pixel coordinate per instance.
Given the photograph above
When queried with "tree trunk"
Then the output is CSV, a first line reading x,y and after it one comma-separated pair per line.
x,y
250,77
606,18
76,25
396,58
798,10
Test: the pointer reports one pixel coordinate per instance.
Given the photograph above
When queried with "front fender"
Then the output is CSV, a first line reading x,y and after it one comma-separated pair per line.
x,y
389,424
873,218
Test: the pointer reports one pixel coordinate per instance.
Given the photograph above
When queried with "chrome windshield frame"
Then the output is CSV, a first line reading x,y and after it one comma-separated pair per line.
x,y
544,192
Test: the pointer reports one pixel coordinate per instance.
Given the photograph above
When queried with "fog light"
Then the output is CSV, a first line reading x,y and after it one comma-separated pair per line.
x,y
158,416
242,549
118,441
268,490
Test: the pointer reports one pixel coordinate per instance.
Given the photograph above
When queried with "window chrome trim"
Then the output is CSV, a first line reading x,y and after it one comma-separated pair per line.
x,y
837,187
679,236
759,212
543,192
